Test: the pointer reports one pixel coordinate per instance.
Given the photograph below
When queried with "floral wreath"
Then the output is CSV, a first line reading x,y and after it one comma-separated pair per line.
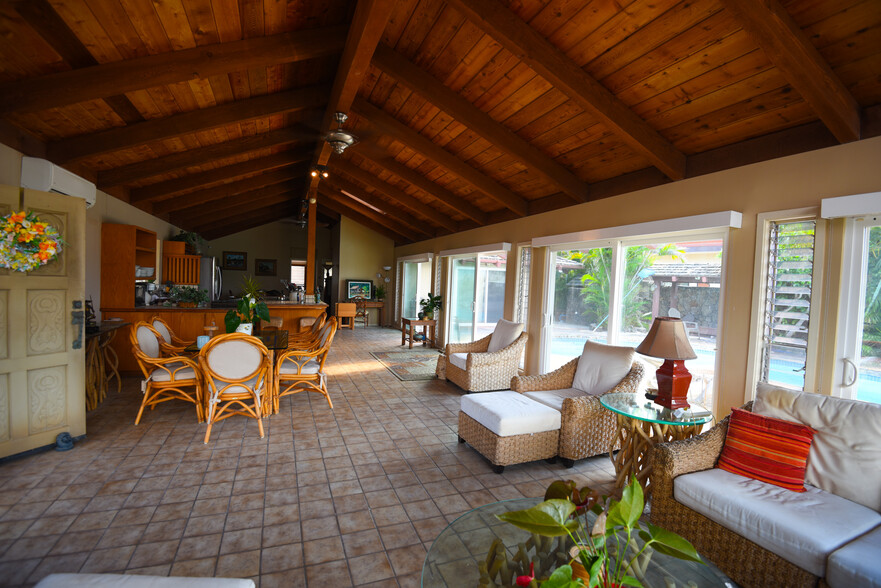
x,y
26,243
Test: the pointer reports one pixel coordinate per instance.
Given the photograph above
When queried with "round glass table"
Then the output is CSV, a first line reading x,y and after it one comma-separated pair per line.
x,y
642,424
461,554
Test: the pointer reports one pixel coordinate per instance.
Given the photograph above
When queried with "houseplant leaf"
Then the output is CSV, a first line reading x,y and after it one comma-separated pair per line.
x,y
232,320
669,543
262,311
549,518
626,512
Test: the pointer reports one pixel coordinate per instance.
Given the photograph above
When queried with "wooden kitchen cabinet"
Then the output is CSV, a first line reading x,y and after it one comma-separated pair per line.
x,y
123,247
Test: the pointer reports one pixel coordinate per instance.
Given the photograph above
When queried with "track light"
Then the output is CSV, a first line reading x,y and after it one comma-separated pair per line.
x,y
319,170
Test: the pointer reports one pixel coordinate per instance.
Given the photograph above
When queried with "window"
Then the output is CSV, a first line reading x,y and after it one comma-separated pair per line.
x,y
787,303
298,273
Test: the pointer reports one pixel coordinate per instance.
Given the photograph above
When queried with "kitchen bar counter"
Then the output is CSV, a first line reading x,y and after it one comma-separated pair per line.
x,y
189,323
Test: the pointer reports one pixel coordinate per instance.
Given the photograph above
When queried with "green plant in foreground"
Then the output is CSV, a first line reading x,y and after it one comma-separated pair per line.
x,y
430,304
603,548
249,309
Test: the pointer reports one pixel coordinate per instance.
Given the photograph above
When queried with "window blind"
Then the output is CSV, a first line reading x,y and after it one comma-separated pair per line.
x,y
523,284
788,302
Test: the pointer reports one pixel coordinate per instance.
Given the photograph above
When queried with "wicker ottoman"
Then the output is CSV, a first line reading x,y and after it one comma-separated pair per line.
x,y
507,428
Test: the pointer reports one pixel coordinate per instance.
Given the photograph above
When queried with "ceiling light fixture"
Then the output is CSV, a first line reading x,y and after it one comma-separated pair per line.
x,y
319,170
340,139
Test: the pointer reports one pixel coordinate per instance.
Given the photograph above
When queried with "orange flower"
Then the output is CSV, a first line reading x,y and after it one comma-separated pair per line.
x,y
17,217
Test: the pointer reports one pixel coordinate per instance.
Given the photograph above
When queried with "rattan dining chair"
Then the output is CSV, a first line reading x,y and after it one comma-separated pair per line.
x,y
299,370
165,378
237,374
170,343
307,337
361,313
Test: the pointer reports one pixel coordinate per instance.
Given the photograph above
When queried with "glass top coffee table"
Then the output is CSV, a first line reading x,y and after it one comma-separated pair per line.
x,y
457,555
642,424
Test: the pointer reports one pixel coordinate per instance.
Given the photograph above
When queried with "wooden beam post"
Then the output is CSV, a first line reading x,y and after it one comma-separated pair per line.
x,y
311,245
545,59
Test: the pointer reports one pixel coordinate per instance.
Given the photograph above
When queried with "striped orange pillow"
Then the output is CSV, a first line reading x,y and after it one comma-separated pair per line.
x,y
766,449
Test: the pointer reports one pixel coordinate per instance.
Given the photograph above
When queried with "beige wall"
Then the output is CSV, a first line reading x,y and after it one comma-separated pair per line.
x,y
790,182
107,209
362,254
281,241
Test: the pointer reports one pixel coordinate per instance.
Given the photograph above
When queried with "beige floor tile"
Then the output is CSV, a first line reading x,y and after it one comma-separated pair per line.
x,y
362,543
367,569
202,546
323,550
195,567
239,565
334,574
281,558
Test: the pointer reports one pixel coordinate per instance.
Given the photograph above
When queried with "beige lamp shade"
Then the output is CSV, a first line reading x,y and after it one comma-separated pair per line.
x,y
667,340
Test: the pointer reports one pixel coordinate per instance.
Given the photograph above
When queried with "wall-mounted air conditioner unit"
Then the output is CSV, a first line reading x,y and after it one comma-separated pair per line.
x,y
39,174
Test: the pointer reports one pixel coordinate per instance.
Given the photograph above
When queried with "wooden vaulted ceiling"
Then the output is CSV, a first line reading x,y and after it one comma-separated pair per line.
x,y
209,113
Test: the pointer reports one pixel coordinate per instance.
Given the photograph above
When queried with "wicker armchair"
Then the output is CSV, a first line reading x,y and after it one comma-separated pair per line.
x,y
742,560
485,371
587,429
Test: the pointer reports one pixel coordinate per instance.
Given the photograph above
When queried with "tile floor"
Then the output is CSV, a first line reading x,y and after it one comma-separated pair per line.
x,y
352,496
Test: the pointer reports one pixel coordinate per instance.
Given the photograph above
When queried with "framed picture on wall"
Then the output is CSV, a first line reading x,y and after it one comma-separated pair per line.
x,y
265,267
359,289
235,260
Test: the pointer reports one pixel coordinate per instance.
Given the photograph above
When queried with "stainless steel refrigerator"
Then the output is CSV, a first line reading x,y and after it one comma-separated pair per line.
x,y
210,278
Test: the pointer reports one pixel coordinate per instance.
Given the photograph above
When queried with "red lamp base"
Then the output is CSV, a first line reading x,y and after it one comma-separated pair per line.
x,y
673,383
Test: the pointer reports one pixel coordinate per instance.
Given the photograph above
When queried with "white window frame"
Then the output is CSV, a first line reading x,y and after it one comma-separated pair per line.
x,y
757,314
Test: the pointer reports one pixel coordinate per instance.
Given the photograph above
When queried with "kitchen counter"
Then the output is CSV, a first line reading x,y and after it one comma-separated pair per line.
x,y
222,305
189,323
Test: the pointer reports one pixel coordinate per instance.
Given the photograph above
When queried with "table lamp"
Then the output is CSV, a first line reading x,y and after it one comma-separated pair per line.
x,y
667,340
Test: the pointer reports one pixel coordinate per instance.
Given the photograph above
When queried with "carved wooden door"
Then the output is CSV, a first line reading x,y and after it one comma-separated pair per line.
x,y
42,361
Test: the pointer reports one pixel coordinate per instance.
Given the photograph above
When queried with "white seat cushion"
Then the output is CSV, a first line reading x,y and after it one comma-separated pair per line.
x,y
236,389
554,398
846,450
311,367
602,367
460,360
138,581
508,413
160,375
801,527
504,334
857,563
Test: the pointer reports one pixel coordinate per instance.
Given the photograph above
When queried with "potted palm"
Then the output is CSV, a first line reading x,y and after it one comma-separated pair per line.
x,y
430,305
605,553
250,309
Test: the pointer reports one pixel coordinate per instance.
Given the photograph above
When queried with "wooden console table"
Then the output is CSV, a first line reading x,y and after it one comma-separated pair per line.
x,y
407,325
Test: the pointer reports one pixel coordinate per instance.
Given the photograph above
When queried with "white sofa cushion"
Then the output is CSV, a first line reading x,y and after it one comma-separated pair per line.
x,y
801,527
504,334
138,581
846,451
857,563
601,367
509,413
554,398
460,360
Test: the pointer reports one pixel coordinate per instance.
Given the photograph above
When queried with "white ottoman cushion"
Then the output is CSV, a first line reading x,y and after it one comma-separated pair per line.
x,y
508,413
460,360
138,581
801,527
554,398
856,564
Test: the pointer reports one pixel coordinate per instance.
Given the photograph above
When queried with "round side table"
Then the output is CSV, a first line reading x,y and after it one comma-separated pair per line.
x,y
642,424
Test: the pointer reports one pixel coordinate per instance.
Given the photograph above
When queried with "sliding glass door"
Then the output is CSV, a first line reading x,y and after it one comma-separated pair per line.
x,y
415,285
477,295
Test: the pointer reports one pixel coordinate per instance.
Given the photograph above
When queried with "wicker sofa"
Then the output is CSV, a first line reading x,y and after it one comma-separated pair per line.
x,y
828,536
482,370
587,429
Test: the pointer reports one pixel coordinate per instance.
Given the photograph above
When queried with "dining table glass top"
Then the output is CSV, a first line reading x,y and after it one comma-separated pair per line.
x,y
275,340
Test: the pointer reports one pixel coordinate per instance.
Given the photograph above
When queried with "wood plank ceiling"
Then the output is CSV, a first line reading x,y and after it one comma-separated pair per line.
x,y
210,113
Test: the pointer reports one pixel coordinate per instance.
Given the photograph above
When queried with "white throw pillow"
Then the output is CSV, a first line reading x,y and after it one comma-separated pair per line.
x,y
601,367
845,457
504,334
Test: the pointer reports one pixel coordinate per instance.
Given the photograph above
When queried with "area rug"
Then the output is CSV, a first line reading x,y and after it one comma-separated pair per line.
x,y
409,366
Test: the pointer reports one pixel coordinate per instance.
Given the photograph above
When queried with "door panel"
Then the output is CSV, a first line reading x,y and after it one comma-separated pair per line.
x,y
42,361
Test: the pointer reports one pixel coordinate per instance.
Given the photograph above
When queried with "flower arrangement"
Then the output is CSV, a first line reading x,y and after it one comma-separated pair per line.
x,y
27,242
602,552
250,308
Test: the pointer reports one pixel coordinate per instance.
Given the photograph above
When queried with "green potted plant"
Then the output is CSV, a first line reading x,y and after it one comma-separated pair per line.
x,y
195,242
379,292
187,297
429,305
605,552
249,310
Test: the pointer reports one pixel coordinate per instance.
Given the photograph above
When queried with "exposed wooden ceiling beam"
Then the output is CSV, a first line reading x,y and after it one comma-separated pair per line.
x,y
225,190
415,205
237,224
43,18
501,137
220,216
112,79
160,190
397,130
277,194
368,24
413,224
538,53
789,49
378,218
370,151
346,207
200,156
181,124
